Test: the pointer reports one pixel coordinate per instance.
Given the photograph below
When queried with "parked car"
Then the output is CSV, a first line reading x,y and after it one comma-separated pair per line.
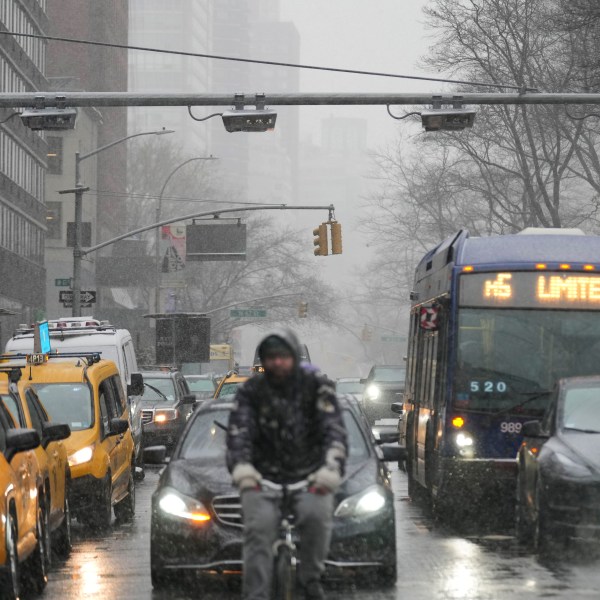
x,y
166,404
196,521
203,386
21,519
558,483
383,386
22,401
350,385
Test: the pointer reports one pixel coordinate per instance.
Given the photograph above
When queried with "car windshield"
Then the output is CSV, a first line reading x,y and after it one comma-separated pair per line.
x,y
228,389
160,389
200,385
349,387
69,403
505,356
389,374
581,409
206,440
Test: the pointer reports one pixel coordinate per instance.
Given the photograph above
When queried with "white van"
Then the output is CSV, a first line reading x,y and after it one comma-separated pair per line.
x,y
86,334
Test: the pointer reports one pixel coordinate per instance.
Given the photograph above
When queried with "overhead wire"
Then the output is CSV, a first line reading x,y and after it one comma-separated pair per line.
x,y
273,63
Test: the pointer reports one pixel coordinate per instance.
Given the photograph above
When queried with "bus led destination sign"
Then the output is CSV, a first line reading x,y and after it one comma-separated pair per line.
x,y
530,290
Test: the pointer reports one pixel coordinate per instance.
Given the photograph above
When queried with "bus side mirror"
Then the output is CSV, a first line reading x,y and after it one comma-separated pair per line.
x,y
533,429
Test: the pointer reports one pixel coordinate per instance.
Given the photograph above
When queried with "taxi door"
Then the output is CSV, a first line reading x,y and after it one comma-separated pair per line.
x,y
24,465
125,440
110,443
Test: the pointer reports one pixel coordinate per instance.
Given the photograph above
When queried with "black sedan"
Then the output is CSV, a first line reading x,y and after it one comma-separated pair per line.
x,y
558,489
196,512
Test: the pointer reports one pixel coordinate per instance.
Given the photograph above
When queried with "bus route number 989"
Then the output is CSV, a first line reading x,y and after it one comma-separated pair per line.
x,y
510,427
488,387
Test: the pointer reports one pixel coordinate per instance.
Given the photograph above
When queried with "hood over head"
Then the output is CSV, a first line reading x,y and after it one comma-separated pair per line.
x,y
281,338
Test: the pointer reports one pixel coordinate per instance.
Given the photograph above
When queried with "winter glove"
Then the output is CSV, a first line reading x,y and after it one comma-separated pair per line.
x,y
326,478
329,476
245,476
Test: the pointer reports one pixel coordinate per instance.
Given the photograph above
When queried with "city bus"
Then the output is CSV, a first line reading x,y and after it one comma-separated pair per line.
x,y
495,321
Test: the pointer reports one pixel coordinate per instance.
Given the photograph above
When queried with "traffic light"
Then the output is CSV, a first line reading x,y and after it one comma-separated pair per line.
x,y
336,237
303,310
320,241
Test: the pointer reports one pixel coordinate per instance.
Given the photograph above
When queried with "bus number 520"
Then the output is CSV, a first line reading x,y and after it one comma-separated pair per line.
x,y
488,386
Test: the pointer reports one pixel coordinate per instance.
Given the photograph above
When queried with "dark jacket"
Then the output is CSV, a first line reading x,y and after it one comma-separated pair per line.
x,y
285,432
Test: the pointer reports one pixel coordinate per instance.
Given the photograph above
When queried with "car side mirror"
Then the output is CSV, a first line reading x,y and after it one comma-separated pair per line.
x,y
54,432
20,440
533,429
398,408
363,381
393,453
155,455
189,399
136,387
118,426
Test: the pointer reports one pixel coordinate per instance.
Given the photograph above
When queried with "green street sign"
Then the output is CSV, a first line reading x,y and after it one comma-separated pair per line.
x,y
66,282
248,313
393,338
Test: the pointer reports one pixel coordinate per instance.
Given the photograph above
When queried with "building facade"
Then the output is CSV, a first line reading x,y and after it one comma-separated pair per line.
x,y
22,170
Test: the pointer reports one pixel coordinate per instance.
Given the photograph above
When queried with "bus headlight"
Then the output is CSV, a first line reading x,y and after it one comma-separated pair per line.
x,y
373,392
464,440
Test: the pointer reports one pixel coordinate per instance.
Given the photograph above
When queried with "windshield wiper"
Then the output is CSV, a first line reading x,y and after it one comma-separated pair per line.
x,y
582,430
157,391
532,397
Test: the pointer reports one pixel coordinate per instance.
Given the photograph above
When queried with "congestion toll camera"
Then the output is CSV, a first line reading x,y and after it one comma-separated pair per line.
x,y
49,118
243,119
454,119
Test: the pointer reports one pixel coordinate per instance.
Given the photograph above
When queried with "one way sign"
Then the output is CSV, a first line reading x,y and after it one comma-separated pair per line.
x,y
88,297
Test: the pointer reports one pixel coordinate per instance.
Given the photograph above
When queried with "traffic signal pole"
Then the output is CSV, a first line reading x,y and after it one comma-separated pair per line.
x,y
42,100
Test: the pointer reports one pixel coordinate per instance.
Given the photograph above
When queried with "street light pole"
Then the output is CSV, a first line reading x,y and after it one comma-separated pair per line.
x,y
158,229
79,189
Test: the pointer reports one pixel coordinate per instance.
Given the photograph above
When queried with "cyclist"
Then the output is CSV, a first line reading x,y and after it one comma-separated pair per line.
x,y
286,427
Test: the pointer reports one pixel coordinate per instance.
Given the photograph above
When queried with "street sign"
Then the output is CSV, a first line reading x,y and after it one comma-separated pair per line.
x,y
248,313
393,338
88,297
64,282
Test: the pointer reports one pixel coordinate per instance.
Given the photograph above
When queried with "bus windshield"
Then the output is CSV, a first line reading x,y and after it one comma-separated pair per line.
x,y
508,356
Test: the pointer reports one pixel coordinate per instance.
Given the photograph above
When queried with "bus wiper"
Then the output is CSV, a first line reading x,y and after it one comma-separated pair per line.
x,y
582,430
157,391
532,397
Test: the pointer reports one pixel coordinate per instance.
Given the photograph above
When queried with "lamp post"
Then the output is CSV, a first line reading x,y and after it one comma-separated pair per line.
x,y
158,229
78,190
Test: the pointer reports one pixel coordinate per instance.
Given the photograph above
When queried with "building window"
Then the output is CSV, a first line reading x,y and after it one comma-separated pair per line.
x,y
54,220
55,152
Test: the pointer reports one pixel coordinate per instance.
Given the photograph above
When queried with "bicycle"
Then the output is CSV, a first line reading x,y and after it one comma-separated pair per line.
x,y
284,548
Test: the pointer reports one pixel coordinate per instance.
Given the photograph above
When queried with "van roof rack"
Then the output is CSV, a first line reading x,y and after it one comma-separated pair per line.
x,y
62,327
90,357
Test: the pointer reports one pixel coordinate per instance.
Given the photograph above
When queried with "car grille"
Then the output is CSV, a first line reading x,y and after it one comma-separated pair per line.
x,y
147,416
228,510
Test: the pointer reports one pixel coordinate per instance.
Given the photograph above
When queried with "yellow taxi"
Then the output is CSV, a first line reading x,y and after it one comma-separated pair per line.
x,y
21,399
229,384
21,518
86,393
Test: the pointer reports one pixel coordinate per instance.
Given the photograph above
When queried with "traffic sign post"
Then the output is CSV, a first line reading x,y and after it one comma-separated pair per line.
x,y
248,313
87,298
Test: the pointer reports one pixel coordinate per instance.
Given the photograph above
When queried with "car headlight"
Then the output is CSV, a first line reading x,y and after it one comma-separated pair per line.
x,y
165,415
81,456
367,502
373,392
178,505
567,466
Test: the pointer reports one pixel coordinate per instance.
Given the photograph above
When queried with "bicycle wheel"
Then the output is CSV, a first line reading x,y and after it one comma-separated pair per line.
x,y
285,574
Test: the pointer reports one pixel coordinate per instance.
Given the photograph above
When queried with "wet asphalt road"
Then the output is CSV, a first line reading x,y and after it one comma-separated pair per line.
x,y
435,562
